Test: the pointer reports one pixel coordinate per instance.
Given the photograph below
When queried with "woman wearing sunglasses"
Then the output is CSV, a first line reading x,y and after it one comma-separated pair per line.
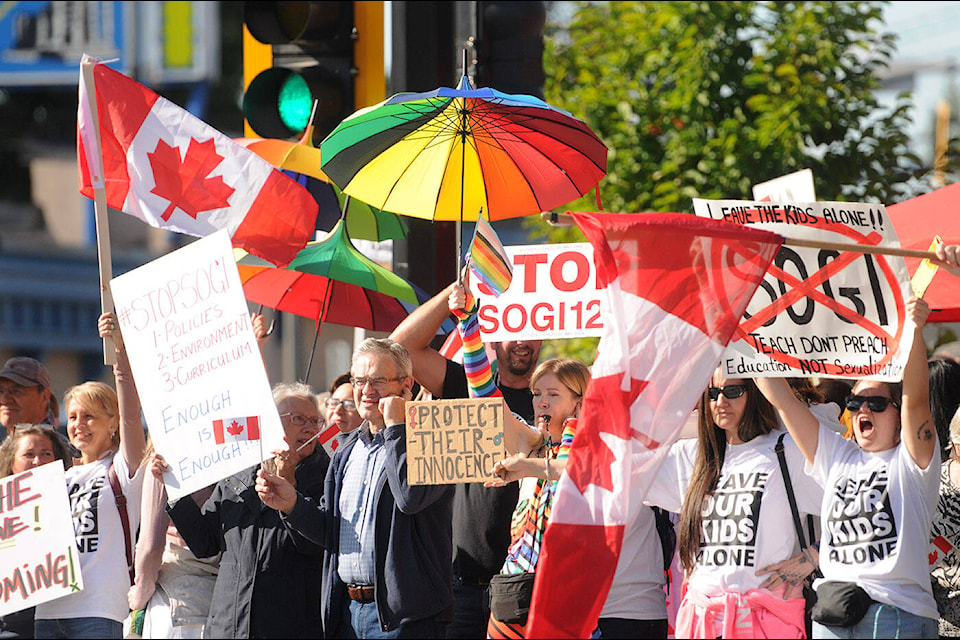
x,y
735,517
880,494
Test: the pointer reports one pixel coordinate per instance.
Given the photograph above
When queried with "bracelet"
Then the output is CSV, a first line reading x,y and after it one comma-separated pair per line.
x,y
546,467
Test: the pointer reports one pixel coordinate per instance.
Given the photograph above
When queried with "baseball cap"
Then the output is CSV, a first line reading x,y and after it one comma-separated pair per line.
x,y
26,372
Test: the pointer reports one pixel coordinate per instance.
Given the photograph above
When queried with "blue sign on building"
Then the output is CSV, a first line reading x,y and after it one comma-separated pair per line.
x,y
41,43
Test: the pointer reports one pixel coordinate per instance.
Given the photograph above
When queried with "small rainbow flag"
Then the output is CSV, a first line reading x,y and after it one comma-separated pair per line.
x,y
488,259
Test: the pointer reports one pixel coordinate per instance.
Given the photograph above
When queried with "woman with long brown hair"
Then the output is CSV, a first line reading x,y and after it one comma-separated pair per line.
x,y
735,518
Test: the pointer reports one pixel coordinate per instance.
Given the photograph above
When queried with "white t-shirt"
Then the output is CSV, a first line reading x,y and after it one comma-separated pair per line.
x,y
747,522
875,521
637,590
96,522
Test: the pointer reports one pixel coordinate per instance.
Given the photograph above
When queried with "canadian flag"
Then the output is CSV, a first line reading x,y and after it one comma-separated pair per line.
x,y
236,429
174,171
676,286
328,439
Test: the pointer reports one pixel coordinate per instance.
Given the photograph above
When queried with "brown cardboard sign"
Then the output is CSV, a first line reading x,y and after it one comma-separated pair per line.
x,y
453,441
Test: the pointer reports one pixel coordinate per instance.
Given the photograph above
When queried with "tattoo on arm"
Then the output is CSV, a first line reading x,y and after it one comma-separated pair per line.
x,y
925,433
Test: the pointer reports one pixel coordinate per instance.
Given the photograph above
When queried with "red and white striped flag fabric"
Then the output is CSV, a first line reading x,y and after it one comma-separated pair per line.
x,y
676,288
236,429
173,171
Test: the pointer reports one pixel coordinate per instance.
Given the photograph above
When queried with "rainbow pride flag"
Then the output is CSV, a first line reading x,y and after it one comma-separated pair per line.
x,y
488,259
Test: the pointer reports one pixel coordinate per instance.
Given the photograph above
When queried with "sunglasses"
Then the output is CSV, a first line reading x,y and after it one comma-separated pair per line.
x,y
729,392
877,404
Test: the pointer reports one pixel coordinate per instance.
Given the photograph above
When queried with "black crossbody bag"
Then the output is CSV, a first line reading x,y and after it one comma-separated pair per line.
x,y
834,604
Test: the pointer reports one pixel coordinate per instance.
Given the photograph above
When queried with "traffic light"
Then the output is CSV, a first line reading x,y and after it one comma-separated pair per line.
x,y
510,46
300,53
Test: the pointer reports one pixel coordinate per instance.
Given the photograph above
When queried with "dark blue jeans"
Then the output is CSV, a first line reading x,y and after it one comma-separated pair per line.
x,y
79,628
471,610
360,620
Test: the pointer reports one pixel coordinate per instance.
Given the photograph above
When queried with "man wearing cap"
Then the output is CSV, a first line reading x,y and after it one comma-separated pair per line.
x,y
25,395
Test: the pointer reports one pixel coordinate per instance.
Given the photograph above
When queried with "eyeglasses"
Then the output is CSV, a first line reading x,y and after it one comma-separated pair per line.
x,y
334,403
301,420
877,404
376,383
729,392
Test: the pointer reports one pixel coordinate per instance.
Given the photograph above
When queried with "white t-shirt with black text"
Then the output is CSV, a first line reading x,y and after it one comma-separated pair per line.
x,y
99,534
875,521
747,522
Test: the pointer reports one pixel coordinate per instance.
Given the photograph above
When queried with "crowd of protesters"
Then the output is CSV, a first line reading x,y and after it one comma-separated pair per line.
x,y
309,545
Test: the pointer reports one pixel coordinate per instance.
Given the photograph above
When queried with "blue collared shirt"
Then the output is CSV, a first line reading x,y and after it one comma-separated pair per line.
x,y
362,471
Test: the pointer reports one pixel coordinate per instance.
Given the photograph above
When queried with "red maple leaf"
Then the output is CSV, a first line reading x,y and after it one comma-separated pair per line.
x,y
606,409
235,428
184,182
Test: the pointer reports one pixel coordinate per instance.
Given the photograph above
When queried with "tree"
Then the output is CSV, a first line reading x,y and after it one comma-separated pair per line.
x,y
706,99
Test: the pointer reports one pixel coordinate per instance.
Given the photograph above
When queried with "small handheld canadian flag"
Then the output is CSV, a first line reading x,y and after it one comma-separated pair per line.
x,y
236,429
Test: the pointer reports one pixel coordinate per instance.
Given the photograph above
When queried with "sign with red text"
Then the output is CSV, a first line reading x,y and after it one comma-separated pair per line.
x,y
553,294
820,311
38,550
197,365
453,441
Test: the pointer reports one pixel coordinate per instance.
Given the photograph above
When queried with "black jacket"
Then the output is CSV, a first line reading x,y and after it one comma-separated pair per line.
x,y
270,577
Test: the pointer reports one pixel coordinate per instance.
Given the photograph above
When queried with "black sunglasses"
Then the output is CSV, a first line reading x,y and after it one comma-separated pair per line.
x,y
729,392
877,404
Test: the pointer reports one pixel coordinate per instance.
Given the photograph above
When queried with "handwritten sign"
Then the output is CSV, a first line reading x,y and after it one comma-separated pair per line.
x,y
554,294
821,312
38,552
195,359
453,441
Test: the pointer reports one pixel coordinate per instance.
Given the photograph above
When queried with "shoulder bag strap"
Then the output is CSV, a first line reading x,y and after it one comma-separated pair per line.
x,y
121,501
793,500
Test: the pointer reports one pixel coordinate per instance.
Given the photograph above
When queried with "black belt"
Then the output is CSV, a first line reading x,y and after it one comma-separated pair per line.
x,y
483,582
360,593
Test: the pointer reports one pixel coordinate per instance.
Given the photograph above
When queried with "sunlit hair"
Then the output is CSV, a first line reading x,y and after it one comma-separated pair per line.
x,y
385,347
571,373
8,450
284,390
759,418
97,397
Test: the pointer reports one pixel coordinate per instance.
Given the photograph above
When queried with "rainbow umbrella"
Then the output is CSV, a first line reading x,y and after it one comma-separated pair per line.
x,y
449,154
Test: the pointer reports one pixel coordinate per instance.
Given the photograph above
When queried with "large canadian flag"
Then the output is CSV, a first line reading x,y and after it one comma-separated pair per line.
x,y
174,171
676,286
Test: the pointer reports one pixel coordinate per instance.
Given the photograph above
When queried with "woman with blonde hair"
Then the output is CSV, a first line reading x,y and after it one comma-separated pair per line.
x,y
104,487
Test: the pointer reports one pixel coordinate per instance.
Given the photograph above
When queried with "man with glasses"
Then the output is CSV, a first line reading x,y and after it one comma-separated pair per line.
x,y
387,544
25,395
481,521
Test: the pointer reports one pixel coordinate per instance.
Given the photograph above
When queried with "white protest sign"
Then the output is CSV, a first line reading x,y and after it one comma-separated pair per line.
x,y
553,294
793,187
38,551
195,359
821,312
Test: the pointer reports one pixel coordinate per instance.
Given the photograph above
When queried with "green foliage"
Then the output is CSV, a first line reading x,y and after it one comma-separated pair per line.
x,y
705,99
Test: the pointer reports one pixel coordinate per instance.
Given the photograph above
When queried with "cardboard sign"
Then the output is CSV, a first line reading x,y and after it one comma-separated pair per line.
x,y
39,561
821,312
197,365
453,441
553,294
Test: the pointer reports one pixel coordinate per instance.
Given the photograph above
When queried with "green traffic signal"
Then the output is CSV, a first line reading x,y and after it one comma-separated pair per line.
x,y
294,103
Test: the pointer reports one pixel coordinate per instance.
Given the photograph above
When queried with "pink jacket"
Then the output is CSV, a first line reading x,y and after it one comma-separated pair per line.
x,y
755,614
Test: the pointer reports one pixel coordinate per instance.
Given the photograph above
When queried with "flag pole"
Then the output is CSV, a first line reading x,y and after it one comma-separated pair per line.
x,y
100,208
565,219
